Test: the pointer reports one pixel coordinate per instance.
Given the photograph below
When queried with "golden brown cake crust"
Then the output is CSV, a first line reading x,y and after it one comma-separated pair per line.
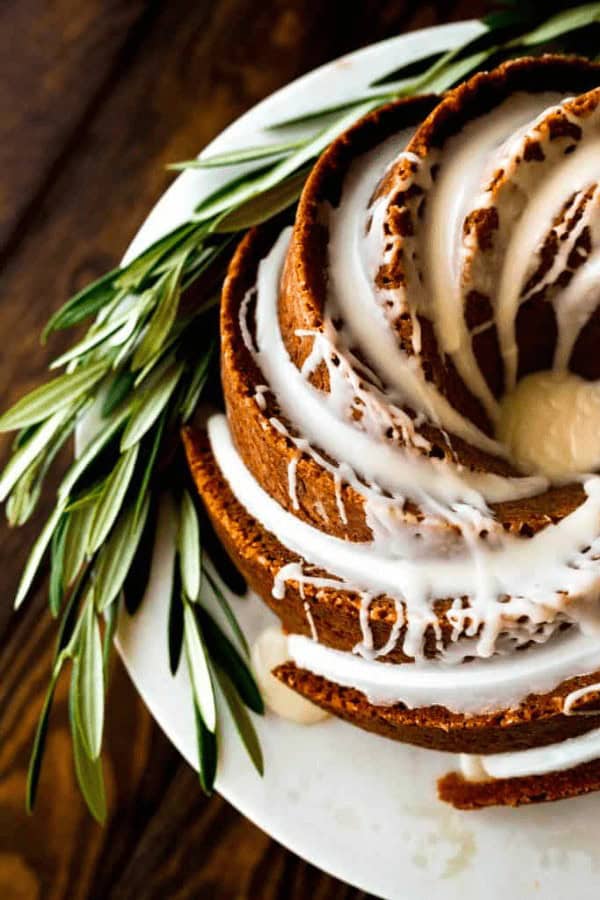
x,y
536,722
268,454
265,451
535,324
303,293
258,555
469,795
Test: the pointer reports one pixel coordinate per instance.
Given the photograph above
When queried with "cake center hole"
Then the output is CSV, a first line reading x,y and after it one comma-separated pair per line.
x,y
551,425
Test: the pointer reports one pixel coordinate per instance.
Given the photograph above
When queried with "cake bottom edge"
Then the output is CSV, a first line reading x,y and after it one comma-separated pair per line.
x,y
453,788
463,794
430,727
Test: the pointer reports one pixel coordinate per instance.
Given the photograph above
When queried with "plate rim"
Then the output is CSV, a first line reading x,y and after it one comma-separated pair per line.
x,y
231,791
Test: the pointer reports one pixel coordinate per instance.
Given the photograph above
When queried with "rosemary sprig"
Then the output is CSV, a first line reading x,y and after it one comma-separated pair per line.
x,y
140,371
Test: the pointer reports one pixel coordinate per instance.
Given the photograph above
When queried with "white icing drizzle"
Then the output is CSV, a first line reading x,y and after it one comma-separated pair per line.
x,y
572,698
366,312
575,172
471,767
544,579
269,651
311,621
466,160
477,687
294,572
536,761
577,303
504,591
322,420
292,466
466,163
365,648
337,480
321,511
259,396
567,237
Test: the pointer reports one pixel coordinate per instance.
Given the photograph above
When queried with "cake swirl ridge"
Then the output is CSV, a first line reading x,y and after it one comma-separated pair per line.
x,y
367,352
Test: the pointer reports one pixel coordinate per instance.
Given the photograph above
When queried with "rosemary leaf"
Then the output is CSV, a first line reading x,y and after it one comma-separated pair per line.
x,y
162,358
233,196
175,627
148,456
23,436
228,612
199,263
207,752
224,654
120,388
121,340
76,541
265,205
189,548
218,197
89,683
235,157
88,771
127,346
150,406
132,276
39,741
70,624
111,618
96,335
86,499
83,305
242,720
23,498
451,67
562,23
452,73
112,497
77,469
319,142
168,294
194,390
198,668
316,115
409,70
57,552
27,491
46,400
36,555
30,451
461,51
116,557
138,575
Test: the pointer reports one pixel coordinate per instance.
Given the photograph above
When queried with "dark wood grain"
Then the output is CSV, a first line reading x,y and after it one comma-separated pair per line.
x,y
96,96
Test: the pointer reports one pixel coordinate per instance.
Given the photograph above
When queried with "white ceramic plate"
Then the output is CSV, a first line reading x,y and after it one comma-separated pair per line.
x,y
361,807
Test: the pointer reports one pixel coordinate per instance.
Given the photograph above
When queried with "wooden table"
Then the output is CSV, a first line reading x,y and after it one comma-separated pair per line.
x,y
96,96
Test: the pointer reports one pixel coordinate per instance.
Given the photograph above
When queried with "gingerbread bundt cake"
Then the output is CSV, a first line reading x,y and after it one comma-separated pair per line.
x,y
405,473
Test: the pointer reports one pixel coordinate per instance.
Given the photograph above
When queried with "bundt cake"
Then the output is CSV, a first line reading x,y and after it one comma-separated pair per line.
x,y
406,470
